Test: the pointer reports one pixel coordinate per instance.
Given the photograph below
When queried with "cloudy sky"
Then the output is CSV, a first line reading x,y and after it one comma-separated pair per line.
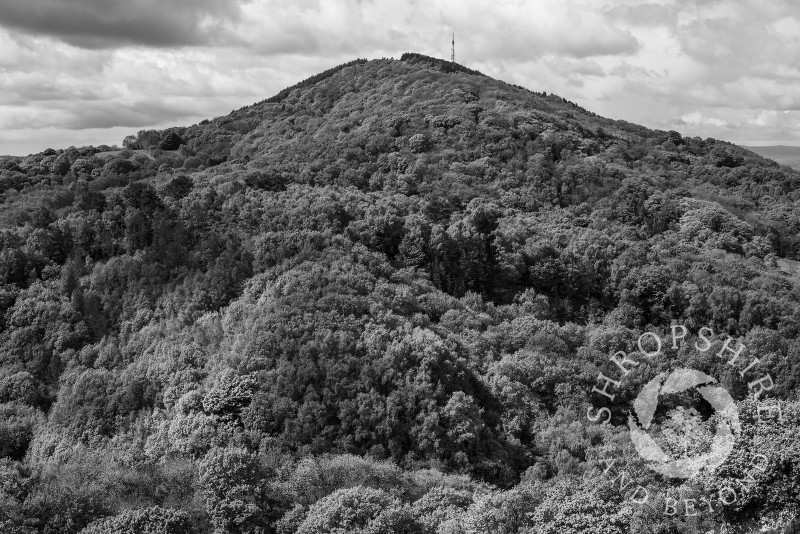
x,y
77,72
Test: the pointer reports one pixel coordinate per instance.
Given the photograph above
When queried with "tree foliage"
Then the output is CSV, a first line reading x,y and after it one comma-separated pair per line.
x,y
378,302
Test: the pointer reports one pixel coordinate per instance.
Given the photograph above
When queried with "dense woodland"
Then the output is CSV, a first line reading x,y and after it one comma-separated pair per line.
x,y
377,303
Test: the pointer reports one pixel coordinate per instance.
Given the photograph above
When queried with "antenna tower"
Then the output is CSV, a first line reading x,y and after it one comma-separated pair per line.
x,y
453,50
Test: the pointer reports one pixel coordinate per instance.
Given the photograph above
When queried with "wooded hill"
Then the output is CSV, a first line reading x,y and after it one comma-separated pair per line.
x,y
378,302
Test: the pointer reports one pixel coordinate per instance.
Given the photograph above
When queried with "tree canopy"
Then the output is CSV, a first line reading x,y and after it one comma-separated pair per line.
x,y
378,302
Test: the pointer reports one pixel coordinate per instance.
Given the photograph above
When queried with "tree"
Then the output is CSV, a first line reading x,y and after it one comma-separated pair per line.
x,y
412,249
170,140
179,187
17,423
131,142
507,512
350,510
440,504
154,520
232,482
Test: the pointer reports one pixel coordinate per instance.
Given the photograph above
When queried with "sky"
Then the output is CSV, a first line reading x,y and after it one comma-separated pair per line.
x,y
79,72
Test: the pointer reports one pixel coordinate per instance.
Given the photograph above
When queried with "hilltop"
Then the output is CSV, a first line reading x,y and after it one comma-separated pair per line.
x,y
378,301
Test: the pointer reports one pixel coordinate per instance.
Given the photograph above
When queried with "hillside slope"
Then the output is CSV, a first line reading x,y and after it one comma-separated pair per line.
x,y
379,302
784,155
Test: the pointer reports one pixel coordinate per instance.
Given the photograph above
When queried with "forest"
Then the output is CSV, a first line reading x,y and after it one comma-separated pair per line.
x,y
377,303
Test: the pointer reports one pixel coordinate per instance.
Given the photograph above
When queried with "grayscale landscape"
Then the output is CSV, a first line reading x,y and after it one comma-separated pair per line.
x,y
529,284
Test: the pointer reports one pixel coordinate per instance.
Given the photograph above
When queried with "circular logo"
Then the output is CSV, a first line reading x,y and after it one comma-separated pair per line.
x,y
683,431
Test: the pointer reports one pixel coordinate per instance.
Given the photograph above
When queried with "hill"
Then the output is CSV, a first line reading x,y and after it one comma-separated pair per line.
x,y
784,155
379,301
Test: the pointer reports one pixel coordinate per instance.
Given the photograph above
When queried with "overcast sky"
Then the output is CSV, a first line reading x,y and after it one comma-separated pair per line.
x,y
77,72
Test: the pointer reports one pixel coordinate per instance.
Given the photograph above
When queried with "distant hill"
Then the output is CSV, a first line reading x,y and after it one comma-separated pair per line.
x,y
378,302
785,155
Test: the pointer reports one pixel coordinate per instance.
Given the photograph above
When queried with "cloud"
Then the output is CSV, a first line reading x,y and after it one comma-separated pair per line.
x,y
524,30
696,118
511,29
740,34
112,23
72,89
647,15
